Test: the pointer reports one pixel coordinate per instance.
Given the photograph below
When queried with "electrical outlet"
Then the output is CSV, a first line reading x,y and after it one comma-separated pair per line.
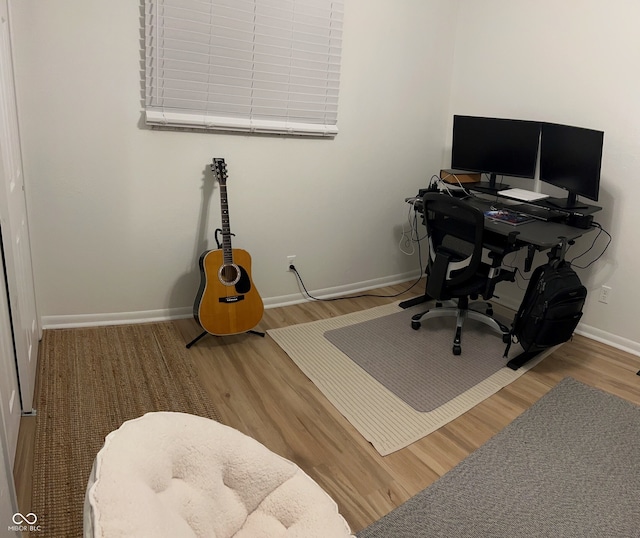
x,y
290,260
605,291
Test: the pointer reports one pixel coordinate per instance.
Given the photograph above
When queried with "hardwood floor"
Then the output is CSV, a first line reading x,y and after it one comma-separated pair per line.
x,y
258,390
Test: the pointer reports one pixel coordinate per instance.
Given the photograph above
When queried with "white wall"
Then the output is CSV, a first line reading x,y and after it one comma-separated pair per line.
x,y
119,213
573,62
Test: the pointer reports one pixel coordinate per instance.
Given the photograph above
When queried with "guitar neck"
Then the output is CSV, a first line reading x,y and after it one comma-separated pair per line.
x,y
227,250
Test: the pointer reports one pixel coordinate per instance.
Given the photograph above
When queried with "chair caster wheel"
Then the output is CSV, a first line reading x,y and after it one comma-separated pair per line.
x,y
457,350
489,312
415,325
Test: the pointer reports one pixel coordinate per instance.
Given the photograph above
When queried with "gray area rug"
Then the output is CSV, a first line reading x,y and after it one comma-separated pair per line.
x,y
406,361
567,467
384,419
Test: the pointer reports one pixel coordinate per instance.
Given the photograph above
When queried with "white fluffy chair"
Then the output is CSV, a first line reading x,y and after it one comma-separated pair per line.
x,y
179,475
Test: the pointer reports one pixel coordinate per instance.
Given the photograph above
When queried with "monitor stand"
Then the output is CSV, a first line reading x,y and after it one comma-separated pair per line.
x,y
570,202
489,187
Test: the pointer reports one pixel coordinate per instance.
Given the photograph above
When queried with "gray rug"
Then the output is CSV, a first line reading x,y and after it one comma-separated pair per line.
x,y
567,467
385,420
406,361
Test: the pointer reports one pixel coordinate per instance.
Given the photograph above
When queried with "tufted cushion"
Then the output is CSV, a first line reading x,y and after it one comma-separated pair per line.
x,y
179,475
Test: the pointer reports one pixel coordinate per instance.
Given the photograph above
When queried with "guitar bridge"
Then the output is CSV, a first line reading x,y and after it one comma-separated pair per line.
x,y
231,299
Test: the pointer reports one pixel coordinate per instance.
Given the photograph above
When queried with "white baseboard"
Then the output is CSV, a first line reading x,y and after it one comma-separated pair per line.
x,y
507,302
618,342
115,318
150,316
338,291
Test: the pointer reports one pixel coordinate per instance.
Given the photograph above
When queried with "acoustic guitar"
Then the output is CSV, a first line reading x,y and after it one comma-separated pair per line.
x,y
227,301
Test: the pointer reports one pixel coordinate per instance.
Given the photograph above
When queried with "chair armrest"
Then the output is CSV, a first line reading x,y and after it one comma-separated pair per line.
x,y
438,275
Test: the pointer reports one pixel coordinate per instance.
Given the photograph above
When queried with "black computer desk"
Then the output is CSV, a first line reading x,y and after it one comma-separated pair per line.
x,y
536,235
542,234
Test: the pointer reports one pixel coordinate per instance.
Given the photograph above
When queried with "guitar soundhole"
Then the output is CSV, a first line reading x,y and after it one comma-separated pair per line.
x,y
229,274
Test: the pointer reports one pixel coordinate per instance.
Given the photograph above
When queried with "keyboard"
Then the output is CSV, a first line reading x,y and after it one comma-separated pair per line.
x,y
523,195
540,212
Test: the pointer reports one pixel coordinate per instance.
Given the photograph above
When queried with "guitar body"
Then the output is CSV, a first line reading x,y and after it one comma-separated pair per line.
x,y
227,301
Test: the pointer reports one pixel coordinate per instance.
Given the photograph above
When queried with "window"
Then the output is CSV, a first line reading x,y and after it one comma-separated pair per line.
x,y
269,66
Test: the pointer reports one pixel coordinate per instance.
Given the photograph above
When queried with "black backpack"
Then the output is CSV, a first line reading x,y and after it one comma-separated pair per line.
x,y
550,310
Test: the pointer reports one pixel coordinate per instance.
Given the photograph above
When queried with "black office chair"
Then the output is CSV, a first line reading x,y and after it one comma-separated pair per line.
x,y
462,264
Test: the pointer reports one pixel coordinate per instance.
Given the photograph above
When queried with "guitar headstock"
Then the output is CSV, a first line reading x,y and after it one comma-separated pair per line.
x,y
219,168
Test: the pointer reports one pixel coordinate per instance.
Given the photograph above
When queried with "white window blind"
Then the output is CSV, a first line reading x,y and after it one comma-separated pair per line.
x,y
244,65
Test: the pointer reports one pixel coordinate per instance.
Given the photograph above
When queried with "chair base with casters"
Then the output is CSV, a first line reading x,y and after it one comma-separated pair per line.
x,y
461,309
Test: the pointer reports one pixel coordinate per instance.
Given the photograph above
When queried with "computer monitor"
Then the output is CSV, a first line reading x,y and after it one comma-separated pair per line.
x,y
495,146
570,158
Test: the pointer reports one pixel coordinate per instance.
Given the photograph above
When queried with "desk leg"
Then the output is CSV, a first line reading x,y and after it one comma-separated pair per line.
x,y
414,301
521,359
